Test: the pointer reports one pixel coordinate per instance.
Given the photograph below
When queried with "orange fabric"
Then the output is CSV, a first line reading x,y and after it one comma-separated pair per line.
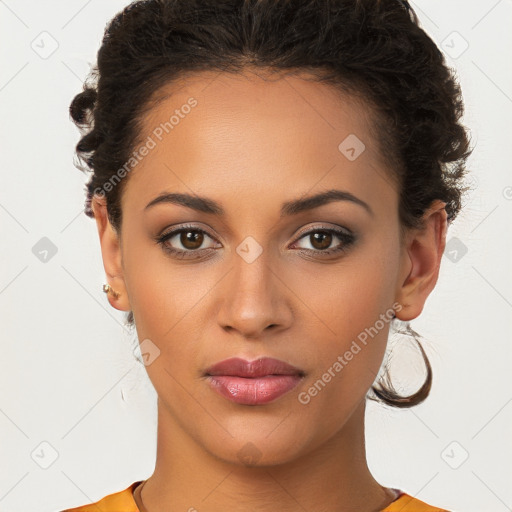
x,y
118,502
406,503
123,502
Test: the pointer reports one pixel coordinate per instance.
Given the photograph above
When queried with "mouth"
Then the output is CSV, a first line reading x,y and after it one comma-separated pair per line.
x,y
253,382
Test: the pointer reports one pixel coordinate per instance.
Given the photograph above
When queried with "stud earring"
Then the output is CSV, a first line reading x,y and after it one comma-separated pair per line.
x,y
108,289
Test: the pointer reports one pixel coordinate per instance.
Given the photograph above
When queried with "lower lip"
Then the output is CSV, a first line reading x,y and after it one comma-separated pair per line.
x,y
253,391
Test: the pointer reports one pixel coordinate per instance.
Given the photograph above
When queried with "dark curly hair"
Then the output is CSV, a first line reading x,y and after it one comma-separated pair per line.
x,y
373,50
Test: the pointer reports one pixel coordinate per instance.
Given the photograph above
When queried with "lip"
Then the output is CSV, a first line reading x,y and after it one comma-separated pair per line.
x,y
253,382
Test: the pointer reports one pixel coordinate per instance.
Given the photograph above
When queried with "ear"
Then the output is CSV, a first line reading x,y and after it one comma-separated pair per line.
x,y
421,260
111,254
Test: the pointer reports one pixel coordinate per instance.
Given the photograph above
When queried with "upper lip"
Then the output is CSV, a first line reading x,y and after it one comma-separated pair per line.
x,y
238,367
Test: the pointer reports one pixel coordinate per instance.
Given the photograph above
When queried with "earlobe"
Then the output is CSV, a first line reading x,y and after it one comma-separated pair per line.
x,y
111,255
422,259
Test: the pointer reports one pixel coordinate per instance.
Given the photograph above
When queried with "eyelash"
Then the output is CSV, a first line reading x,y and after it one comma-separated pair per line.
x,y
347,240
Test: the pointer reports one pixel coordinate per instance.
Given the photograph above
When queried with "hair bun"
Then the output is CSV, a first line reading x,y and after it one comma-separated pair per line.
x,y
82,105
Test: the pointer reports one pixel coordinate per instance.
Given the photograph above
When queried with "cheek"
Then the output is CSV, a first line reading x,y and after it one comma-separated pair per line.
x,y
168,301
352,304
350,295
168,309
163,292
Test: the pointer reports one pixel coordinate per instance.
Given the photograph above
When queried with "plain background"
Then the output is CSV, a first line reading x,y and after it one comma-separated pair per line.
x,y
77,411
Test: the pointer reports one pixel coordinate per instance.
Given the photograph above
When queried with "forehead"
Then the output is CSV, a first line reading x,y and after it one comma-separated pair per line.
x,y
218,133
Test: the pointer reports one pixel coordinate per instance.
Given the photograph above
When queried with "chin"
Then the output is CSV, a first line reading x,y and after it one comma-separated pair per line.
x,y
257,448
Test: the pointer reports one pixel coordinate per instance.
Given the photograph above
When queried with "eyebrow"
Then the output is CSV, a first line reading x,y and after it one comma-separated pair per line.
x,y
205,205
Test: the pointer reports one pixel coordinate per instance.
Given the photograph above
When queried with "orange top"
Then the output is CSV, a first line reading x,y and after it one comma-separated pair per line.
x,y
123,502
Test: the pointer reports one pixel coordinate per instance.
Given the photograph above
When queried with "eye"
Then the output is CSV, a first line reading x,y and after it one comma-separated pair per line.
x,y
321,240
190,238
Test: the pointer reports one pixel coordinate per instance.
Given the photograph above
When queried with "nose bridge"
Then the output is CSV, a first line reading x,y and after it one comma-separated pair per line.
x,y
252,273
253,298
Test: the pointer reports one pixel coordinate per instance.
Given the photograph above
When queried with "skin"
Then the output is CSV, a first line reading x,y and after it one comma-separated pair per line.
x,y
251,144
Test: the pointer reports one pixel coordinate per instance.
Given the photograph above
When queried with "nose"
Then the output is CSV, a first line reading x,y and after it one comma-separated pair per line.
x,y
254,299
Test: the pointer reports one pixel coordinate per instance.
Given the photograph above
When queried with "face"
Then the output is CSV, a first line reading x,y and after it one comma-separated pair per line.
x,y
304,285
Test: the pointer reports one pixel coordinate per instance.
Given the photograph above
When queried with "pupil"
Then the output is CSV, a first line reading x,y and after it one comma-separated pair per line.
x,y
191,239
325,242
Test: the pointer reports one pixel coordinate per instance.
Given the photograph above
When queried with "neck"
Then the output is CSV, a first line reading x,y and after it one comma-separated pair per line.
x,y
332,476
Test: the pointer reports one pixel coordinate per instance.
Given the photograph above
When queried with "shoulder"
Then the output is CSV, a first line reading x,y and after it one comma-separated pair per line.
x,y
406,503
121,501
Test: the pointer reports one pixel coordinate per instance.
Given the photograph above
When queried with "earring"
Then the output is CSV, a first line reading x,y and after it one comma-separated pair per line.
x,y
385,390
108,289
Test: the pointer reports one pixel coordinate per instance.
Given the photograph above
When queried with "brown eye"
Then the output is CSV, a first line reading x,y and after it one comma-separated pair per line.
x,y
191,239
185,242
321,240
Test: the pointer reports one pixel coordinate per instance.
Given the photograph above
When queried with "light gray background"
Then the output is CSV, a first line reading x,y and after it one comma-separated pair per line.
x,y
72,395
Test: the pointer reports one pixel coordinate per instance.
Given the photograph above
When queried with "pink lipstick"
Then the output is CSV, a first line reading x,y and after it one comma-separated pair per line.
x,y
253,382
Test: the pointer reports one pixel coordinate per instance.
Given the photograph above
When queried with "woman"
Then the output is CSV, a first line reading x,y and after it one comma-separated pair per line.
x,y
272,182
